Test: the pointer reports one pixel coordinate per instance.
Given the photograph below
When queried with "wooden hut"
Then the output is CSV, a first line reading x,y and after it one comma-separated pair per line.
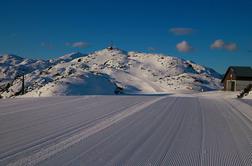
x,y
237,78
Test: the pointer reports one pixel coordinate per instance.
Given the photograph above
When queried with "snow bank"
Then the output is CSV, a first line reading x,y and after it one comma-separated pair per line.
x,y
87,84
249,96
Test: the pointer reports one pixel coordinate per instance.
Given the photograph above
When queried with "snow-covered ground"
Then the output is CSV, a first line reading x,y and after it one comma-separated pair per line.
x,y
203,129
249,96
131,72
172,112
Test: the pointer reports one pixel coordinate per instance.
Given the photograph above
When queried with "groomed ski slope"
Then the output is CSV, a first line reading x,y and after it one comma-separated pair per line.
x,y
181,130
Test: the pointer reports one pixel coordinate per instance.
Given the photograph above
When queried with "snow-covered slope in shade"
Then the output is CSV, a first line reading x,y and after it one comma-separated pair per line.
x,y
85,84
249,96
103,71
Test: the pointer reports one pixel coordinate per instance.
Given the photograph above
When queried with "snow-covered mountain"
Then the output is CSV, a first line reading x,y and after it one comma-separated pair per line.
x,y
12,66
104,72
67,57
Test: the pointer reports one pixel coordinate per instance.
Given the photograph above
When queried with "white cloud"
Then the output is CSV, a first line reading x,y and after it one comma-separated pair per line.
x,y
231,47
217,44
184,46
181,31
79,44
220,44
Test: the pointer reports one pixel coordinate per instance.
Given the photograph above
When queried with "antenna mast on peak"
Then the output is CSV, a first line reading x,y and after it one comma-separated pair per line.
x,y
111,46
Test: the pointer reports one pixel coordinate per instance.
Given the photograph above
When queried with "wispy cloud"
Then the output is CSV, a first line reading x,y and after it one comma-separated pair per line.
x,y
181,31
79,44
46,45
221,44
151,49
184,46
231,47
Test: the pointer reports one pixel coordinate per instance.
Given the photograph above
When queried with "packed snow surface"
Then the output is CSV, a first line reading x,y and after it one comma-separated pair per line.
x,y
185,129
102,72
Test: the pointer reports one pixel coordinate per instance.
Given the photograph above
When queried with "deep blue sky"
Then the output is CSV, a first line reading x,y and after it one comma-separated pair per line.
x,y
49,28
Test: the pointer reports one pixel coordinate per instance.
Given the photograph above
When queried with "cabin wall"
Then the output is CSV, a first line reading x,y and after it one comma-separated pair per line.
x,y
232,83
240,85
228,77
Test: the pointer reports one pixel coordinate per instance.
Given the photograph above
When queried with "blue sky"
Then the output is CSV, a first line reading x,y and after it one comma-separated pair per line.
x,y
188,29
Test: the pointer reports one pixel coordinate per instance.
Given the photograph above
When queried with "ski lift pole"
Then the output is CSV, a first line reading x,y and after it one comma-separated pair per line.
x,y
23,83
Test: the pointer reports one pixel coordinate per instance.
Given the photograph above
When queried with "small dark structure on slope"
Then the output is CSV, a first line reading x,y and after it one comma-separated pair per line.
x,y
245,91
111,46
237,78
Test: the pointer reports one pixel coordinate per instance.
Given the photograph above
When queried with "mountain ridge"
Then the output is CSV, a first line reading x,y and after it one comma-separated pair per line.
x,y
113,68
